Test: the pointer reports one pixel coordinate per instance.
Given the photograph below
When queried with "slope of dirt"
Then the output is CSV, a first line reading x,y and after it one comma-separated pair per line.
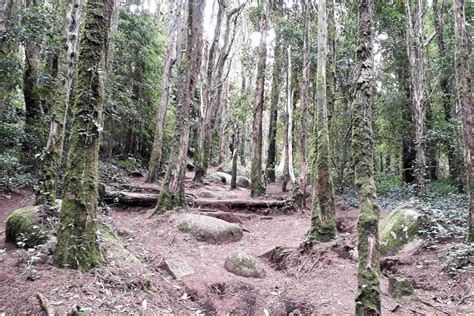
x,y
323,282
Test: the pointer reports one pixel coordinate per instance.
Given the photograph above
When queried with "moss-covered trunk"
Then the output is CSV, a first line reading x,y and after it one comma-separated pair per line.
x,y
52,154
274,100
299,195
257,186
77,235
156,151
368,297
464,92
172,193
323,219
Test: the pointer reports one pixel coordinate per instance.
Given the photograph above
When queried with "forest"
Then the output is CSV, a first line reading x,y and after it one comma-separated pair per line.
x,y
236,157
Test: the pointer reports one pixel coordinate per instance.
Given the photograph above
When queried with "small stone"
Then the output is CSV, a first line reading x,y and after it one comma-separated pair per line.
x,y
177,268
399,286
243,182
244,264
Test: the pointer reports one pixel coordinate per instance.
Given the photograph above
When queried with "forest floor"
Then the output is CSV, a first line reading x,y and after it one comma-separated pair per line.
x,y
320,282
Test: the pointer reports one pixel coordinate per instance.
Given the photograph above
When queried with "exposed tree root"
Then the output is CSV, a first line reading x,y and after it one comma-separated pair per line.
x,y
246,204
45,304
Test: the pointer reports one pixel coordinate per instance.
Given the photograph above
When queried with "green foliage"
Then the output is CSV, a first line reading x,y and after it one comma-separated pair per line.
x,y
387,183
134,84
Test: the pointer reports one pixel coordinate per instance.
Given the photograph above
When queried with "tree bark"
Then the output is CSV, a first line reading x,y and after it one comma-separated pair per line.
x,y
257,187
172,194
416,55
156,152
235,149
300,192
464,93
323,219
368,276
52,154
77,246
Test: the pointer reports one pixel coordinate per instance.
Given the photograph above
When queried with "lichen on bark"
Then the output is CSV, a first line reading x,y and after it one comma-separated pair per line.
x,y
77,246
368,276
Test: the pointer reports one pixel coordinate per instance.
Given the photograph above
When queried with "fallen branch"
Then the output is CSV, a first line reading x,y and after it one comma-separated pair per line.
x,y
45,304
241,204
130,198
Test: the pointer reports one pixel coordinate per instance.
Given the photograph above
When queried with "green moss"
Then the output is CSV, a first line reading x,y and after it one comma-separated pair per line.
x,y
24,229
168,200
398,228
113,246
399,286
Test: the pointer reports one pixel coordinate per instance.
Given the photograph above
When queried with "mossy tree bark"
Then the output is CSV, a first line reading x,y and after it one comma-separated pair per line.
x,y
274,100
417,59
235,149
52,154
257,186
368,298
172,193
156,151
300,192
331,62
323,219
77,235
464,93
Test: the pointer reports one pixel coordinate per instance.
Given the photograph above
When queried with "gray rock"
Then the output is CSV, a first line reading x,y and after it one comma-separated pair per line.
x,y
222,177
177,268
209,229
244,264
243,182
206,194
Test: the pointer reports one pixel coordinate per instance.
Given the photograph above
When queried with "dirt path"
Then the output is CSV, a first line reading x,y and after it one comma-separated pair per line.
x,y
324,283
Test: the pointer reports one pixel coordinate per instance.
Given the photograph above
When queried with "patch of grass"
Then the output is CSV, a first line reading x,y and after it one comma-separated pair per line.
x,y
387,183
444,186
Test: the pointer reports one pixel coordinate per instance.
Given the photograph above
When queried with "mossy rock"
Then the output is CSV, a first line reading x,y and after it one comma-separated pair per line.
x,y
113,248
399,286
210,229
243,182
398,228
243,264
23,227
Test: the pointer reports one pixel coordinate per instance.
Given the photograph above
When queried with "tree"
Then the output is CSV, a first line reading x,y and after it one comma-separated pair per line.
x,y
368,298
300,194
257,187
464,94
77,245
274,97
417,59
52,153
172,193
323,218
173,36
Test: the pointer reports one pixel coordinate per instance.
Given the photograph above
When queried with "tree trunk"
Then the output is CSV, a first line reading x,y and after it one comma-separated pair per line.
x,y
244,127
223,125
257,187
331,62
417,59
323,219
455,160
156,152
172,194
77,235
52,154
464,93
274,100
235,149
368,297
205,116
300,192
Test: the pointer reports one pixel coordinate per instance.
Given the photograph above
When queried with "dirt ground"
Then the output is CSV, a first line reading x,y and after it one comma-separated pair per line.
x,y
320,283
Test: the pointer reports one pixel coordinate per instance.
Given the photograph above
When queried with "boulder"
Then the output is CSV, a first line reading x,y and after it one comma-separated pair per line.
x,y
244,264
209,229
222,177
398,228
226,216
206,194
399,286
23,228
113,249
243,182
177,268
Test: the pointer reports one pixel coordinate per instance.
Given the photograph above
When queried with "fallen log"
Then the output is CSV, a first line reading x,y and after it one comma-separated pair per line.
x,y
130,198
246,204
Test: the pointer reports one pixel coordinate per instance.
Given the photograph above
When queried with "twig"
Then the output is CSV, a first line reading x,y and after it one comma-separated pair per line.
x,y
45,304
